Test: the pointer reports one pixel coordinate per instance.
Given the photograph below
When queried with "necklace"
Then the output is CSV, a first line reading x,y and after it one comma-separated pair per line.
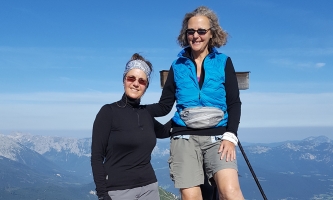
x,y
120,101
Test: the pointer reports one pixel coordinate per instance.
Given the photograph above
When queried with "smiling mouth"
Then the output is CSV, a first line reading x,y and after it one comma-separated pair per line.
x,y
134,89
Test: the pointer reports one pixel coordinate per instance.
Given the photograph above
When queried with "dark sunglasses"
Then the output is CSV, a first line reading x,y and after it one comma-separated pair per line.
x,y
200,31
133,79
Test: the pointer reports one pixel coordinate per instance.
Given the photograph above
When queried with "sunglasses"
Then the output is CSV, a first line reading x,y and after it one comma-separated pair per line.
x,y
200,31
133,79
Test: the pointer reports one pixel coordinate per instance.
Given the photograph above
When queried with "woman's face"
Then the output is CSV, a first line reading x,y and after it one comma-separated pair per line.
x,y
199,43
135,83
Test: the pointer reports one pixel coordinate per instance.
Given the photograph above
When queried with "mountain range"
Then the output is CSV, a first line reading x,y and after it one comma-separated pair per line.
x,y
47,167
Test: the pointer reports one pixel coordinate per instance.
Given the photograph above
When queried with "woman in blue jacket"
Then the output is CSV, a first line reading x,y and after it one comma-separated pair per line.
x,y
204,86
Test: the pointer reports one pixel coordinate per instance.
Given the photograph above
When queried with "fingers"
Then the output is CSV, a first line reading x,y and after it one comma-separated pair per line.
x,y
227,150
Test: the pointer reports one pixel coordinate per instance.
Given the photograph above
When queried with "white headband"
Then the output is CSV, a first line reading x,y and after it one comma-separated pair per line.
x,y
138,64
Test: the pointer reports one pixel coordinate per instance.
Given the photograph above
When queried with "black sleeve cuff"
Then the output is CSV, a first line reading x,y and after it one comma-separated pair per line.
x,y
104,197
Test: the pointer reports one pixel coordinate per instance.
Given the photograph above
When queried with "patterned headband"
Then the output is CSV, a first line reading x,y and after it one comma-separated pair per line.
x,y
138,64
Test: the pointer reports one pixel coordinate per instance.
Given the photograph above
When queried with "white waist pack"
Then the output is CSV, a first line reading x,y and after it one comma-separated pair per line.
x,y
201,117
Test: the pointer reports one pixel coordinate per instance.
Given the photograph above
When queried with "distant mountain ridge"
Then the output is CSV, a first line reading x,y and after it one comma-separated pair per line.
x,y
55,163
315,154
19,153
287,170
293,169
44,144
26,174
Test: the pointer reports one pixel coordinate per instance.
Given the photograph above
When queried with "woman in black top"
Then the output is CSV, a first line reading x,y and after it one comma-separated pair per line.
x,y
124,135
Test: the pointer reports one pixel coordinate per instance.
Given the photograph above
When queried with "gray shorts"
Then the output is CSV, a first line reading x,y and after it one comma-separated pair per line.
x,y
189,157
148,192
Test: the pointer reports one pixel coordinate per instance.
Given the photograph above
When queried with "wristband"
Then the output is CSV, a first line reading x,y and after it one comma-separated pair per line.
x,y
230,137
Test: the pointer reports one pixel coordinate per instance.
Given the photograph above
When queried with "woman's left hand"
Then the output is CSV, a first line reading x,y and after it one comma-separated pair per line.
x,y
227,150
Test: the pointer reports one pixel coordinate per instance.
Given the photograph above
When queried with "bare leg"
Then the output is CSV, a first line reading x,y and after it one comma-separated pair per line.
x,y
193,193
228,185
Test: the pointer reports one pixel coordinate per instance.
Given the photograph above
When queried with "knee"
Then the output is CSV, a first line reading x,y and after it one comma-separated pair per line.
x,y
191,194
231,193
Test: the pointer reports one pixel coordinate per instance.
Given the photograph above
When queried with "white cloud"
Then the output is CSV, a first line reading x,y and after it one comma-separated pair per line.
x,y
320,65
296,64
286,109
77,111
52,110
284,52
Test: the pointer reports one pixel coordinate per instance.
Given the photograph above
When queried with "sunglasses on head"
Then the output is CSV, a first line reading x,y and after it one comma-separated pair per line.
x,y
200,31
133,79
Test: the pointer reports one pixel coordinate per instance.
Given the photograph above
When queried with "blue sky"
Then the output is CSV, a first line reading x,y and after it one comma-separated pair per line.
x,y
60,61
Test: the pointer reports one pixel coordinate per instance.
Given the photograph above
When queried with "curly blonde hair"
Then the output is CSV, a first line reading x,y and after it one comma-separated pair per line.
x,y
219,35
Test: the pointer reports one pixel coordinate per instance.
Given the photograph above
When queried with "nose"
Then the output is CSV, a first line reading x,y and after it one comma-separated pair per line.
x,y
136,83
196,34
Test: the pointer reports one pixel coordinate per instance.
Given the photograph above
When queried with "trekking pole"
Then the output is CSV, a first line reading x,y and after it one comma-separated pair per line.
x,y
252,172
215,193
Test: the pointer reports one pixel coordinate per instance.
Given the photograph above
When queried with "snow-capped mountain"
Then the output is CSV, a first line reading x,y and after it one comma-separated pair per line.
x,y
313,154
45,144
79,147
44,163
25,173
290,170
287,170
14,151
72,154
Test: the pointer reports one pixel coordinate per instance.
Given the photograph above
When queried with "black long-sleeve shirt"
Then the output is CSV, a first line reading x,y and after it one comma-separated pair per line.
x,y
122,142
167,99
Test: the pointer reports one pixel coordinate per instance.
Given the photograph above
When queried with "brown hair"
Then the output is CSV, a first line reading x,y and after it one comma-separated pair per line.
x,y
219,35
